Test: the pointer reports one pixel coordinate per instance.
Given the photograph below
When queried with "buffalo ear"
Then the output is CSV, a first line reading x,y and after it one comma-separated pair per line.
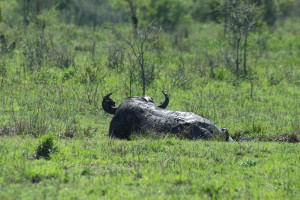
x,y
166,102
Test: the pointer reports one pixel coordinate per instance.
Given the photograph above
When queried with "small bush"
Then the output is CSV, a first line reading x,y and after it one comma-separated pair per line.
x,y
45,149
70,132
35,125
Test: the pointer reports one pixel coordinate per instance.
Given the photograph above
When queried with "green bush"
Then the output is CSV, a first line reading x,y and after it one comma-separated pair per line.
x,y
46,148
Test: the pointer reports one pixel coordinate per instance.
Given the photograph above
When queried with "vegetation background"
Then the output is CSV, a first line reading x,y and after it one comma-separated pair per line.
x,y
235,62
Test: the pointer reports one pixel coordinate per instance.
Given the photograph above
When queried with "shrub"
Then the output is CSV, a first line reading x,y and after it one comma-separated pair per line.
x,y
46,148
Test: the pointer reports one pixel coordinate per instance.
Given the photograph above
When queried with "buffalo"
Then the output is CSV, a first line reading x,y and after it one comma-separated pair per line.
x,y
142,115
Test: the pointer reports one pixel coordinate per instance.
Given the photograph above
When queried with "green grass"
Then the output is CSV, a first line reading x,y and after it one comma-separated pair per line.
x,y
50,90
167,168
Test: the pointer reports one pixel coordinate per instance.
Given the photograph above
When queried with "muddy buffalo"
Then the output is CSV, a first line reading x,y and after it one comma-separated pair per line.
x,y
141,114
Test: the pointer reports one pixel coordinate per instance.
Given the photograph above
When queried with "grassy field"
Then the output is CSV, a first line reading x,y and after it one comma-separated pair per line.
x,y
168,168
51,88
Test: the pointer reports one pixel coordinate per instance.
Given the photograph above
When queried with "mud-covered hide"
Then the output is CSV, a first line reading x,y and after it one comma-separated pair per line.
x,y
136,114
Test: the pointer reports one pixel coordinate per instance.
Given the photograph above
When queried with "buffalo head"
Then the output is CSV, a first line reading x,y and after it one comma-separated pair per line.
x,y
141,114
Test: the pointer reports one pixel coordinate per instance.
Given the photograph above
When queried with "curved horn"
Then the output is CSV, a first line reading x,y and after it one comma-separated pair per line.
x,y
108,104
108,95
166,102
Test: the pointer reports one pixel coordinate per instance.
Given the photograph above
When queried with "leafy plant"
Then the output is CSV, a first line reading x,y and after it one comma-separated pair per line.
x,y
46,148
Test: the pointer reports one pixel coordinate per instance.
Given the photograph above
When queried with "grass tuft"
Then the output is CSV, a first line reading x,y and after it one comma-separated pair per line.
x,y
45,149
